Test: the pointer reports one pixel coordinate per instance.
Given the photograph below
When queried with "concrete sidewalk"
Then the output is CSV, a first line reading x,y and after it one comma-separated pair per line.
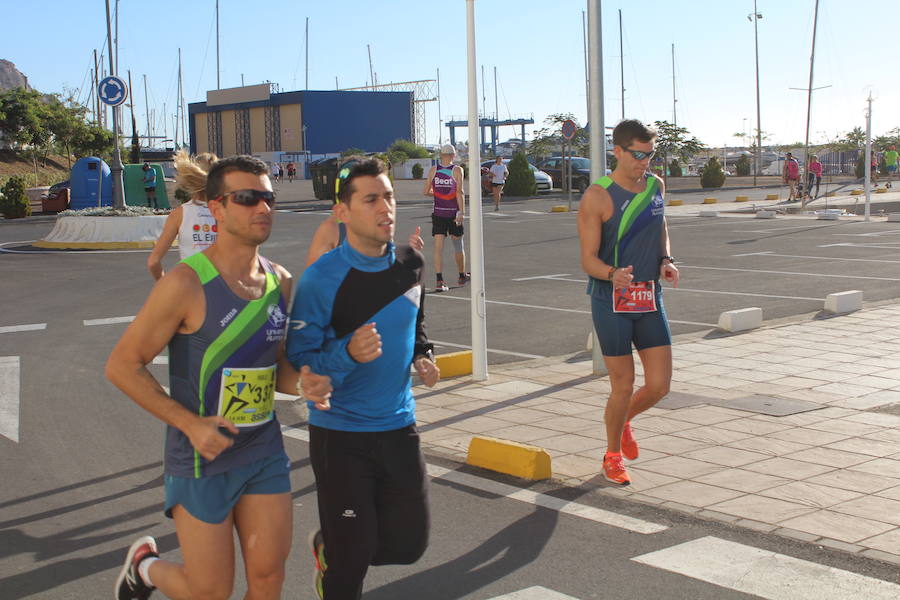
x,y
829,475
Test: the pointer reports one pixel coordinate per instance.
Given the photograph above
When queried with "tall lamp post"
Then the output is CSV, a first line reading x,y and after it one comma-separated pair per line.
x,y
116,169
755,16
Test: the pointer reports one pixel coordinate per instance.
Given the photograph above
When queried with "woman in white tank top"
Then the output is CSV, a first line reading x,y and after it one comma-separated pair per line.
x,y
191,223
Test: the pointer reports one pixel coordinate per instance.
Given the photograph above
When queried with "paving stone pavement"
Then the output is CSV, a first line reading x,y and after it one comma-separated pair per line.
x,y
829,476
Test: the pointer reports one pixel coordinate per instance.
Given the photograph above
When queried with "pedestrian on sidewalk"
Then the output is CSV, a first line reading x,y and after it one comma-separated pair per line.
x,y
150,185
445,184
890,164
359,319
813,176
791,175
222,314
625,251
499,174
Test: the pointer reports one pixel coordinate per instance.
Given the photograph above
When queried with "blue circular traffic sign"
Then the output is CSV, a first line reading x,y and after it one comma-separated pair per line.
x,y
568,129
112,91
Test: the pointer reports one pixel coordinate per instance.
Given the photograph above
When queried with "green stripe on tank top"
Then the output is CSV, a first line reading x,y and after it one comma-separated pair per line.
x,y
241,328
631,212
204,268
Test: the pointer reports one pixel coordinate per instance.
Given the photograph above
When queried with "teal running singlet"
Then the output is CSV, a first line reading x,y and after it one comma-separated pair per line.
x,y
227,368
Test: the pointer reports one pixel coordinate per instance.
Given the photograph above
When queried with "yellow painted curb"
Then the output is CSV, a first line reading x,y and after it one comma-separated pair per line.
x,y
881,191
742,199
856,192
771,196
559,208
512,458
95,245
831,194
710,200
455,363
676,202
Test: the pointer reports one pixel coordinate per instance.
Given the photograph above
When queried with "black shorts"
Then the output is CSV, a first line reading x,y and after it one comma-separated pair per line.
x,y
446,226
150,190
497,184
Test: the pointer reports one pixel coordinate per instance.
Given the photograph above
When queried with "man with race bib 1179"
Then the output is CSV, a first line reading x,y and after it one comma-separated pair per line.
x,y
625,251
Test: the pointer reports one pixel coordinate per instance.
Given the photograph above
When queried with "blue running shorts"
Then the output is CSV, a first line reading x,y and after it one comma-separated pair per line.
x,y
617,331
210,499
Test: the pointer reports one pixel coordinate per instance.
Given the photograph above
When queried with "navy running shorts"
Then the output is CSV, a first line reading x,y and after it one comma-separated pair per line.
x,y
210,499
618,331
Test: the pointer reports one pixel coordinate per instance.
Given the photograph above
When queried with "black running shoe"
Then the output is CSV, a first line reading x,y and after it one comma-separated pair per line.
x,y
129,585
464,278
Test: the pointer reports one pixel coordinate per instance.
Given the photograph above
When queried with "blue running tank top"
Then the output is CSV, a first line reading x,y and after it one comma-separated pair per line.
x,y
444,186
227,367
633,235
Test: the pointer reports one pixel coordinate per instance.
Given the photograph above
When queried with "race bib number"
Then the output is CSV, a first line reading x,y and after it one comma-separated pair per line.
x,y
638,297
247,396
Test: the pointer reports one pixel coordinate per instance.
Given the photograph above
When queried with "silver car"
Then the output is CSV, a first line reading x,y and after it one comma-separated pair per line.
x,y
542,181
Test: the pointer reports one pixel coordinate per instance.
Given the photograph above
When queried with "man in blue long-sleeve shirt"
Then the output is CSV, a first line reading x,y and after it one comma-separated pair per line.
x,y
358,318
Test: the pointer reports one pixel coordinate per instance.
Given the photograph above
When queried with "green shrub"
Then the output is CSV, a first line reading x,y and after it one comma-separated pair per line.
x,y
743,165
417,171
674,169
712,175
14,202
521,179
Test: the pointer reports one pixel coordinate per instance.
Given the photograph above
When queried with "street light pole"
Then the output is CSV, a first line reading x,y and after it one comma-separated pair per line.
x,y
755,17
116,167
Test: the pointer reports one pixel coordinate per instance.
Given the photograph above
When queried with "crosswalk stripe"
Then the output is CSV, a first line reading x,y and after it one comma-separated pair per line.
x,y
534,593
9,397
508,491
29,327
109,321
765,574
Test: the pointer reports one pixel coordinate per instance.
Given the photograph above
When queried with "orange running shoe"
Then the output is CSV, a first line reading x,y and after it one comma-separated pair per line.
x,y
629,444
614,469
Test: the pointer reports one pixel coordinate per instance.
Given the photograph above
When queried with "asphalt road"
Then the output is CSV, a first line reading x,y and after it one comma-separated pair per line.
x,y
83,479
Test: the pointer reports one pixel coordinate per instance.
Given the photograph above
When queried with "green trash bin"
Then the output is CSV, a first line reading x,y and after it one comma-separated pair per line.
x,y
134,186
323,173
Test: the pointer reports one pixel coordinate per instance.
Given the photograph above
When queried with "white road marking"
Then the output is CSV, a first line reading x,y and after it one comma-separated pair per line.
x,y
9,397
507,352
790,273
533,212
109,321
542,277
554,308
681,289
766,574
534,593
508,491
828,258
17,328
853,245
583,511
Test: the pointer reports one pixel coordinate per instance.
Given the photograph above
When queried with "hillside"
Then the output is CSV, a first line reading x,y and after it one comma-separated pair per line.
x,y
11,164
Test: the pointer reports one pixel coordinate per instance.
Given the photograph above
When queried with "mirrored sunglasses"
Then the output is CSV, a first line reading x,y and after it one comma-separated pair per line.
x,y
639,155
250,197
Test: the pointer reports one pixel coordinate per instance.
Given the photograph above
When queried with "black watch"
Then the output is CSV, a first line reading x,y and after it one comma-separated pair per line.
x,y
671,259
429,354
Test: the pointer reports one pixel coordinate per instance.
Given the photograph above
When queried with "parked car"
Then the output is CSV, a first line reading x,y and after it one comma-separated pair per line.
x,y
542,180
581,171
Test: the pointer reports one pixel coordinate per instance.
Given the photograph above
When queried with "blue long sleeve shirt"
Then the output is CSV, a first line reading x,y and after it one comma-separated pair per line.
x,y
336,295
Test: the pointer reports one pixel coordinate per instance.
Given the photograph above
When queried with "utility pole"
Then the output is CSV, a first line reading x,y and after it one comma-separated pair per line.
x,y
587,77
147,109
755,17
809,91
306,83
868,156
116,167
621,64
98,110
218,70
440,119
674,100
598,129
371,68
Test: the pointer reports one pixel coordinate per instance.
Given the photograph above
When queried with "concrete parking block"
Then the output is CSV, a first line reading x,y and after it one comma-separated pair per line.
x,y
837,526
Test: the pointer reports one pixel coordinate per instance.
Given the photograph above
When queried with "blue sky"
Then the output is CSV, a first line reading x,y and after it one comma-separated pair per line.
x,y
536,46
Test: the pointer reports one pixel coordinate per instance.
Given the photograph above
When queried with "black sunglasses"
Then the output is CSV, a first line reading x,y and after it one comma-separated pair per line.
x,y
639,155
250,197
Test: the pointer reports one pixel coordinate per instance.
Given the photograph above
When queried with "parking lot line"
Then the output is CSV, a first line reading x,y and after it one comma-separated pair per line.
x,y
109,321
790,273
828,258
17,328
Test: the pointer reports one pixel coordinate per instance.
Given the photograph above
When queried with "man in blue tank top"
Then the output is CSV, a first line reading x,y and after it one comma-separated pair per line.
x,y
359,319
222,314
625,250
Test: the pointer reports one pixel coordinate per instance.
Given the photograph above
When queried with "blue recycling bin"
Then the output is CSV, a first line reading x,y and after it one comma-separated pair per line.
x,y
90,184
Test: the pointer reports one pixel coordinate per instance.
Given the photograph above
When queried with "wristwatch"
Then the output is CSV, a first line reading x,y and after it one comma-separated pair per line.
x,y
671,259
429,354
